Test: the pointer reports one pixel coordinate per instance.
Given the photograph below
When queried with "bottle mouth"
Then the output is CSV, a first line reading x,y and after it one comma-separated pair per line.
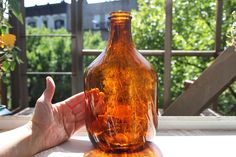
x,y
120,15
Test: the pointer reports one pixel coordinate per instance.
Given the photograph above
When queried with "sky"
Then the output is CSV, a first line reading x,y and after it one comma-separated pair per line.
x,y
42,2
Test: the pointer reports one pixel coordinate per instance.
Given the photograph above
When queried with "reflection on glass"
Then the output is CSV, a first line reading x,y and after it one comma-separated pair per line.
x,y
150,150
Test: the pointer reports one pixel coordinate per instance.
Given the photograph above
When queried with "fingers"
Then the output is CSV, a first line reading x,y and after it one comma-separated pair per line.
x,y
75,101
77,105
68,120
72,121
50,90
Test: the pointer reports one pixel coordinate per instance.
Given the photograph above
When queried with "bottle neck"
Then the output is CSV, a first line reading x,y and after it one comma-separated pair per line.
x,y
120,32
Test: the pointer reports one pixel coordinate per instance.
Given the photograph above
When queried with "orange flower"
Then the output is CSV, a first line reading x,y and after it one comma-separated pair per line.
x,y
1,42
7,40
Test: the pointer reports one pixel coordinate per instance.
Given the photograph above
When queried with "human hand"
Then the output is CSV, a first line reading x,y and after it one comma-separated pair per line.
x,y
53,124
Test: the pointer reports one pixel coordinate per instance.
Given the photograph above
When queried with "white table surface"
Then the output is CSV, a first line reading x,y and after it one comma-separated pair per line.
x,y
176,137
165,146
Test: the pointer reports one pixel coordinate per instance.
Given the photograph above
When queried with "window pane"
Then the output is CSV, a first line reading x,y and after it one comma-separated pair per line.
x,y
46,51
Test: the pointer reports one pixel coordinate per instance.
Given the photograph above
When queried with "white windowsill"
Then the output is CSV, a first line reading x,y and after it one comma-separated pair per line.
x,y
164,122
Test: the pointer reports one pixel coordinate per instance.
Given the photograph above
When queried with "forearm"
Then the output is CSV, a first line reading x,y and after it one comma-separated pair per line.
x,y
18,142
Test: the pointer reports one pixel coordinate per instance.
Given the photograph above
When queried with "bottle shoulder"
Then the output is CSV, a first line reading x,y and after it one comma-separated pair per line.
x,y
111,59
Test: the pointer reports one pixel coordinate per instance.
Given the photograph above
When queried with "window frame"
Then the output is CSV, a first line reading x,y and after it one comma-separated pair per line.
x,y
19,76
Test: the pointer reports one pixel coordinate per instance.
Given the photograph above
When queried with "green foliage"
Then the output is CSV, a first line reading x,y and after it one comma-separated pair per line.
x,y
8,51
47,54
14,6
8,61
228,101
228,21
194,24
92,41
232,32
7,6
148,25
193,29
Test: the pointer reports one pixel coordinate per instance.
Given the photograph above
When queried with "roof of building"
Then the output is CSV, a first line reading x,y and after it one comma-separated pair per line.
x,y
47,9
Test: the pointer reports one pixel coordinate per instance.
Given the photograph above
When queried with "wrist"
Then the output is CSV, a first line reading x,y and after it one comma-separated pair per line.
x,y
18,142
34,142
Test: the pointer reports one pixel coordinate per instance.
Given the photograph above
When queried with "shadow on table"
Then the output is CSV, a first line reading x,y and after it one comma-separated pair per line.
x,y
72,147
150,150
77,146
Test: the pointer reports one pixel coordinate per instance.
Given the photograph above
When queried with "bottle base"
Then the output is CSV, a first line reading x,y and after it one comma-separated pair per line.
x,y
122,148
117,147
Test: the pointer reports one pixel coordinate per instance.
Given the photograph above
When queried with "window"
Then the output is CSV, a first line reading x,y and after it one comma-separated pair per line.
x,y
96,25
96,18
107,21
59,24
96,22
32,24
45,23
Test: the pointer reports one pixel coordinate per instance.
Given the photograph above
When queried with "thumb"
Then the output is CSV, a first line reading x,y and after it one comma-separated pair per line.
x,y
50,90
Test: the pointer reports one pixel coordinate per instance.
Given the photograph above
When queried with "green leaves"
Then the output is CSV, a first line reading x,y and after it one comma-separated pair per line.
x,y
93,40
193,29
54,55
8,60
8,55
148,24
232,32
14,6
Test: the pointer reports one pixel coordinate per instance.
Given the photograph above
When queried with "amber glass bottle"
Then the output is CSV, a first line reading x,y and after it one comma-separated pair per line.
x,y
120,93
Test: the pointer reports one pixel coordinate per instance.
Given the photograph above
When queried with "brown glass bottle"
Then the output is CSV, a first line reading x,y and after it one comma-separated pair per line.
x,y
120,92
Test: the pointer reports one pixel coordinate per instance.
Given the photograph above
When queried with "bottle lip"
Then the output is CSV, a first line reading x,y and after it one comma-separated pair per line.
x,y
120,15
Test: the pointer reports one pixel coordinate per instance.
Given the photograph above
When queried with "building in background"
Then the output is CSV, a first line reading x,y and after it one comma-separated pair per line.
x,y
52,16
95,15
